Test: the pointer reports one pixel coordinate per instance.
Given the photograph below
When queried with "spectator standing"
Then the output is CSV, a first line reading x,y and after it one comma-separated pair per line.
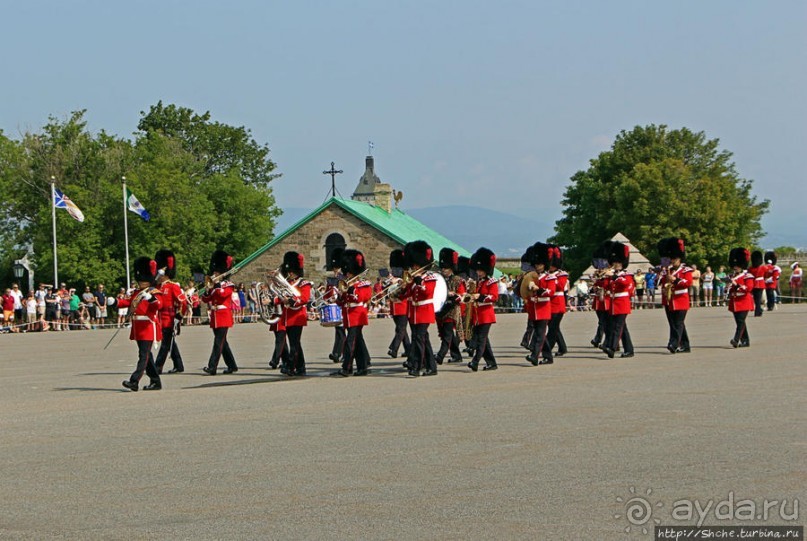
x,y
74,303
19,308
30,311
123,307
53,307
650,281
101,305
639,281
252,301
720,285
40,295
795,282
64,300
242,300
708,278
695,288
88,301
8,310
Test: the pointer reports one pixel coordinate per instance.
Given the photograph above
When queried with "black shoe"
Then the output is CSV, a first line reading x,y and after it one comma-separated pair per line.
x,y
362,372
610,353
438,360
546,361
413,374
533,360
560,354
682,350
745,344
153,386
229,370
490,367
626,355
392,354
734,343
340,374
130,385
595,343
273,366
455,360
525,344
176,370
209,371
430,373
671,349
405,365
473,366
334,358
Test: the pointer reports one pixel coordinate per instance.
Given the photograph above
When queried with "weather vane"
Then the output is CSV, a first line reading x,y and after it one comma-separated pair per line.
x,y
333,172
370,147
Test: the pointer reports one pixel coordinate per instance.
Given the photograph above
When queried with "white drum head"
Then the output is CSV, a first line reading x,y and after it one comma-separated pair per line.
x,y
440,292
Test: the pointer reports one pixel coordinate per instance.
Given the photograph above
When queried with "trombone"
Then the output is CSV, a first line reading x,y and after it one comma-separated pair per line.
x,y
343,285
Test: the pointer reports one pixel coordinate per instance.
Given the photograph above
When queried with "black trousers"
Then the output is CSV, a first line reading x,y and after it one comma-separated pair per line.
x,y
560,340
619,333
602,316
483,349
169,345
355,349
145,362
339,337
678,330
741,333
553,335
449,341
538,342
758,304
221,348
296,361
421,355
526,340
401,336
281,352
771,296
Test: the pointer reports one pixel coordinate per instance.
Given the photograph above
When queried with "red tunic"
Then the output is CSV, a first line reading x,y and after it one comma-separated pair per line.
x,y
772,273
145,319
539,305
484,307
621,288
602,300
759,276
354,305
421,299
682,280
740,292
220,305
296,315
559,298
174,300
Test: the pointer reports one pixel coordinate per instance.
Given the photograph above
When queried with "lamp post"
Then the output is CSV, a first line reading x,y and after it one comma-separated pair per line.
x,y
22,265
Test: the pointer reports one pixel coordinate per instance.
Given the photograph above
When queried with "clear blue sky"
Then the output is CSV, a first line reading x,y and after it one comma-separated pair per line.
x,y
494,104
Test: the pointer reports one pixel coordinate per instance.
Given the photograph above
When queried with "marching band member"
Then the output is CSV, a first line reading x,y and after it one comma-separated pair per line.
x,y
622,288
330,296
467,315
600,289
144,307
354,301
483,302
740,295
757,270
398,307
676,281
527,268
538,290
281,351
450,314
175,306
294,315
420,292
554,334
220,311
772,273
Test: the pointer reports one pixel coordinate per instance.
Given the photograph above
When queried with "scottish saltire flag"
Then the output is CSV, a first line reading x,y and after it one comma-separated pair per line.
x,y
135,205
61,201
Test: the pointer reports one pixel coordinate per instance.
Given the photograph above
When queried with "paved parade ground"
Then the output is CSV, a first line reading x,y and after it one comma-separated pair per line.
x,y
547,452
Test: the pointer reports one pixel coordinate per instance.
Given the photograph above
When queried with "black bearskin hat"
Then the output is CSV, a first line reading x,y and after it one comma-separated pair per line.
x,y
220,262
619,253
463,265
484,260
526,259
672,247
396,259
353,262
166,260
449,259
556,257
599,259
739,257
770,257
335,260
292,262
756,258
541,254
418,254
145,269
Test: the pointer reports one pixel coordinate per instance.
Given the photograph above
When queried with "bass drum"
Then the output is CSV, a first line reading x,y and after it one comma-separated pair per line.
x,y
440,293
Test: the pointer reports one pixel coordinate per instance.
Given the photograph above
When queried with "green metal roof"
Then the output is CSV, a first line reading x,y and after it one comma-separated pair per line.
x,y
396,225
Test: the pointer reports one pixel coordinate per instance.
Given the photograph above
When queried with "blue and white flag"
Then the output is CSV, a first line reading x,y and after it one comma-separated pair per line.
x,y
61,201
135,205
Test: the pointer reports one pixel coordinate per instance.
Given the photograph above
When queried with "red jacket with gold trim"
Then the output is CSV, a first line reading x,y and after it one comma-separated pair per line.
x,y
740,292
220,305
145,318
539,305
559,298
621,289
484,307
174,300
421,299
682,280
295,314
354,304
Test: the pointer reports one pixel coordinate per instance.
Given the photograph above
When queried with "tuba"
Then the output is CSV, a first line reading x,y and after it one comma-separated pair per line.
x,y
277,287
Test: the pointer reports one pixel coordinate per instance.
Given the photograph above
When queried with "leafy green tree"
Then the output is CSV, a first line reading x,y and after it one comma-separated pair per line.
x,y
654,183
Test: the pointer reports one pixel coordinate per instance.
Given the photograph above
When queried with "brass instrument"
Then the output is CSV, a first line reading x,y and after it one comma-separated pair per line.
x,y
468,298
211,281
392,286
668,285
343,285
276,287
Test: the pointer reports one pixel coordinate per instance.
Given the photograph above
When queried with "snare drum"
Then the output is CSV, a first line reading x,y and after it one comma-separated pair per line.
x,y
330,315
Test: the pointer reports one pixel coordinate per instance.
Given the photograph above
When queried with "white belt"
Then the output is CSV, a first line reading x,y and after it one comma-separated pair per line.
x,y
681,292
559,293
486,303
141,318
295,307
761,278
620,294
422,303
542,299
219,307
356,305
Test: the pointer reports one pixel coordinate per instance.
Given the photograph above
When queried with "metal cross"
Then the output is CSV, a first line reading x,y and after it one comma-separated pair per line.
x,y
333,172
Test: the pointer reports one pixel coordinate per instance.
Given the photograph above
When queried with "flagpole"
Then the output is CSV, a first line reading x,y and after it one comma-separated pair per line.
x,y
126,234
53,213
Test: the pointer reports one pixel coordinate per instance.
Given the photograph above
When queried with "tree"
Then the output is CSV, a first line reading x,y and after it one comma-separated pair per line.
x,y
655,183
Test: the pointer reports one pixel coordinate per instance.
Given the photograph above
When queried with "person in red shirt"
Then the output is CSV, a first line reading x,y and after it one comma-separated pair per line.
x,y
554,336
144,306
175,305
484,300
772,273
294,315
521,283
399,307
538,290
675,290
330,296
220,311
757,270
601,299
449,315
419,291
740,295
621,290
354,300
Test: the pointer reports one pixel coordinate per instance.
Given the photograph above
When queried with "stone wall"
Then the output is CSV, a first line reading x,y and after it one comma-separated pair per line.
x,y
309,240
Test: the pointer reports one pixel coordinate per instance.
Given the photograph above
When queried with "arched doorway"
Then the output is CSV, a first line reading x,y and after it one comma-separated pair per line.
x,y
332,242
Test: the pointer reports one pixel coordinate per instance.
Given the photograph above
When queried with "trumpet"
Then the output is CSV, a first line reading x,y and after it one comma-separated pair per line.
x,y
211,281
343,285
391,287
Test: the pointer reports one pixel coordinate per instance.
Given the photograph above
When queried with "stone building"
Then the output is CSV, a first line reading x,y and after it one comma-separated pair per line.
x,y
369,222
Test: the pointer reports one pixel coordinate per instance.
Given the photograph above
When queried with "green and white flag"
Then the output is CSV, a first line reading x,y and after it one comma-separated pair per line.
x,y
135,205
